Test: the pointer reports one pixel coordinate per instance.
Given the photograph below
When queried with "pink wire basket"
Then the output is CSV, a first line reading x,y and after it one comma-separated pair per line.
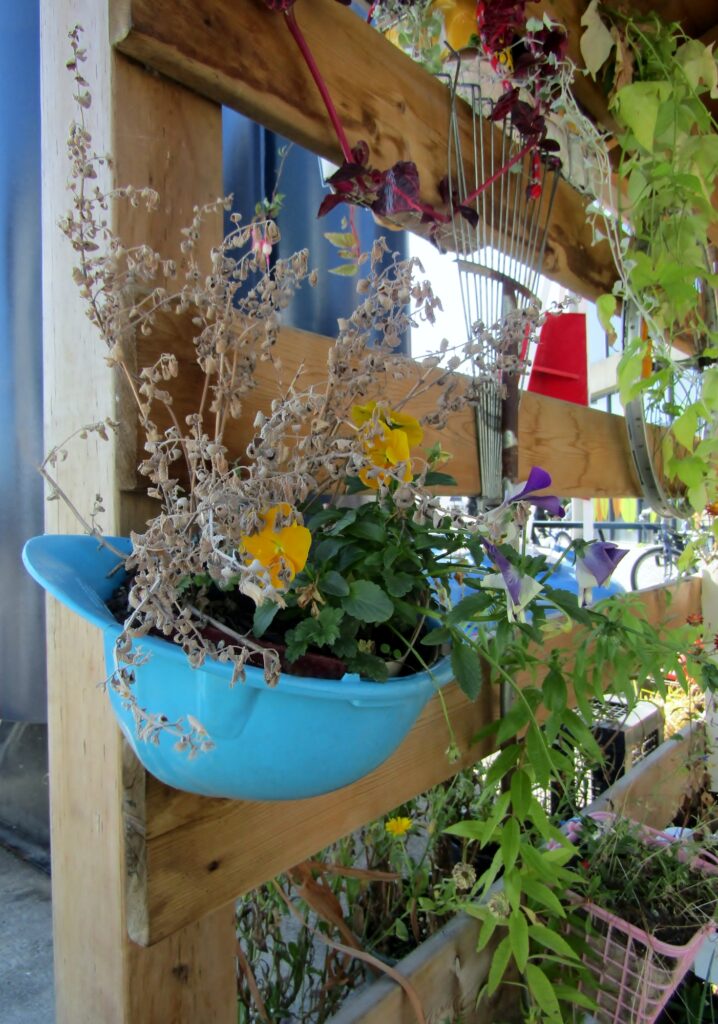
x,y
633,973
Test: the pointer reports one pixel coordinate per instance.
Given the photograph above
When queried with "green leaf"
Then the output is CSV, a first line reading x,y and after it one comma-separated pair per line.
x,y
699,65
347,519
436,637
365,530
400,930
519,937
400,583
436,479
467,607
340,240
510,841
466,666
637,106
513,721
368,602
538,755
333,583
555,691
263,616
606,308
499,964
542,991
345,270
520,793
487,930
686,427
550,939
541,893
502,765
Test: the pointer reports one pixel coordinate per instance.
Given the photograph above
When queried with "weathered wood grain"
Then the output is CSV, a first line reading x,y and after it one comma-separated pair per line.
x,y
586,451
161,133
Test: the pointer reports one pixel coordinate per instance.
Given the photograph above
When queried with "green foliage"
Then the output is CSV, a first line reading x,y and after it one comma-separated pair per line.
x,y
658,80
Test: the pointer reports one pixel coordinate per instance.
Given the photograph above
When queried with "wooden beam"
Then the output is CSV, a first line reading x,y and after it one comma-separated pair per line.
x,y
198,853
242,55
586,451
653,790
159,133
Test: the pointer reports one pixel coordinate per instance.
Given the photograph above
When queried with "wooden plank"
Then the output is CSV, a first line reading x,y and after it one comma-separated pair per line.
x,y
216,47
199,853
152,127
652,791
447,974
586,451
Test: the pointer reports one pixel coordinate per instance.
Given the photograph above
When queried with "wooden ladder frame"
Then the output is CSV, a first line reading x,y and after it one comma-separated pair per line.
x,y
144,877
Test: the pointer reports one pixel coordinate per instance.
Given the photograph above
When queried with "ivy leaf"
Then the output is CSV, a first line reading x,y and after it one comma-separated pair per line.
x,y
368,602
686,427
699,65
637,106
606,308
597,41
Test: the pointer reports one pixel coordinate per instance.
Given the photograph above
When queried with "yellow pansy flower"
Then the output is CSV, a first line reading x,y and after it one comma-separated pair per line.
x,y
362,414
399,433
398,826
282,550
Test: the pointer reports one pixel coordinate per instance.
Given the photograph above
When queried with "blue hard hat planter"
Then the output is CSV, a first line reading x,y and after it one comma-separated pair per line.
x,y
299,739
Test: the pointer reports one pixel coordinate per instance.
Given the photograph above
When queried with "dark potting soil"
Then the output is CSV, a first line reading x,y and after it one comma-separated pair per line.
x,y
236,610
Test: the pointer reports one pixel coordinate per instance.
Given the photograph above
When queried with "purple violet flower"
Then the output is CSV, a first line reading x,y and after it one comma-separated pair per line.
x,y
595,565
521,589
537,480
511,575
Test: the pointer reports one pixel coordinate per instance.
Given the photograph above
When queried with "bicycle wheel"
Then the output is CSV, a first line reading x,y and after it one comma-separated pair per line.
x,y
652,568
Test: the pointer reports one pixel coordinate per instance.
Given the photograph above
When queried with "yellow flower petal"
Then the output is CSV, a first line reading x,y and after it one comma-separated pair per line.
x,y
398,826
283,551
361,414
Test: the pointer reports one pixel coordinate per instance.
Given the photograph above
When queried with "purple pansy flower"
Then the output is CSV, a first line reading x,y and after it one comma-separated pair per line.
x,y
595,565
538,480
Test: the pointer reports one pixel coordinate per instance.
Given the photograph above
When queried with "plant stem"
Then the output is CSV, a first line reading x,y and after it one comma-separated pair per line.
x,y
497,174
320,83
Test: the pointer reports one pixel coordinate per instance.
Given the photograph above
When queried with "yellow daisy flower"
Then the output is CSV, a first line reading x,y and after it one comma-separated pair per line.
x,y
398,827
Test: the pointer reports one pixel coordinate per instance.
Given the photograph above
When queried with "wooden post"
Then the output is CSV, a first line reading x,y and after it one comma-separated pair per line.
x,y
163,135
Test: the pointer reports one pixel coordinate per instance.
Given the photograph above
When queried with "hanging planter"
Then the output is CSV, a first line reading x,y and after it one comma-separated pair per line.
x,y
302,738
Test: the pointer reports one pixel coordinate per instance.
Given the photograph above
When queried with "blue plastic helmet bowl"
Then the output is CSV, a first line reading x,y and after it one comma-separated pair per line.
x,y
302,738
